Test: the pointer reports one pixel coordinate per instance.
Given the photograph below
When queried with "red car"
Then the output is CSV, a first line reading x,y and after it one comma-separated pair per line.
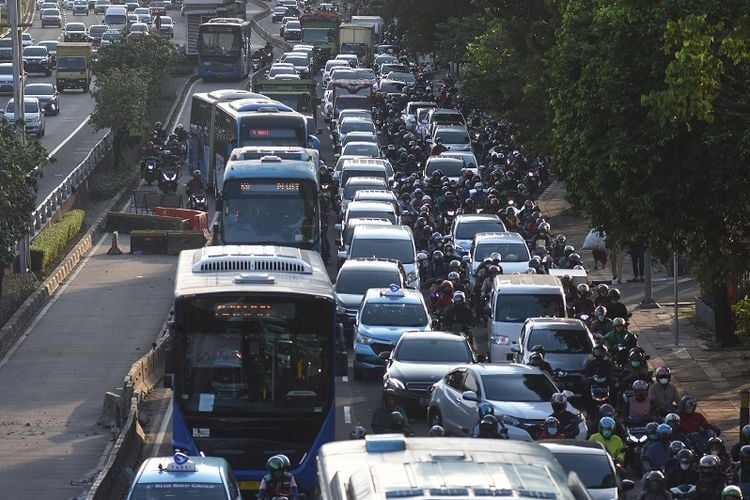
x,y
157,8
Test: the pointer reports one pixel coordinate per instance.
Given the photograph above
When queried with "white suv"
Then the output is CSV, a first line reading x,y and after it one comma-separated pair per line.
x,y
33,115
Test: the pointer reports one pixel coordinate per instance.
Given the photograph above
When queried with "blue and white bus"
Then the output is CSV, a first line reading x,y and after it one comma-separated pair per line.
x,y
224,49
253,123
270,200
202,114
254,358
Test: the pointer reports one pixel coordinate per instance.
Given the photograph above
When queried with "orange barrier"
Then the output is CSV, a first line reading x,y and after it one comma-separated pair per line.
x,y
198,219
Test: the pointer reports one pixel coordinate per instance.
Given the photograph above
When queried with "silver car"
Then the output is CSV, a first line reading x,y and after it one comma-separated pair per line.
x,y
520,394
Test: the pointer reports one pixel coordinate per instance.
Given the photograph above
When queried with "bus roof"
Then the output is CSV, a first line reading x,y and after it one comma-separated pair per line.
x,y
390,465
271,167
226,95
251,268
267,113
232,21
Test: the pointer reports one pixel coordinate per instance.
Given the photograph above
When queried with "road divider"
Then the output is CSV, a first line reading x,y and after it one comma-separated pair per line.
x,y
125,222
145,242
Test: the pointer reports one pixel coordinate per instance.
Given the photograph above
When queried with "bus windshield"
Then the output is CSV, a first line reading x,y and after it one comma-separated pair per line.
x,y
219,43
280,212
278,131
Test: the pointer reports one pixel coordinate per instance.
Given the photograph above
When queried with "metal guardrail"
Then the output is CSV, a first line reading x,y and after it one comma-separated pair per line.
x,y
47,208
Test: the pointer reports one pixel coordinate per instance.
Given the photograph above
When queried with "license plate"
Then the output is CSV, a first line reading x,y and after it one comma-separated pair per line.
x,y
250,485
425,401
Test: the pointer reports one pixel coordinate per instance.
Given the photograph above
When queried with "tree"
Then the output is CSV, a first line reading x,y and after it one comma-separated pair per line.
x,y
120,103
20,166
642,149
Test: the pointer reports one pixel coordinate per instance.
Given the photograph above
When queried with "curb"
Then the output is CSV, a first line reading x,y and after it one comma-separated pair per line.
x,y
264,34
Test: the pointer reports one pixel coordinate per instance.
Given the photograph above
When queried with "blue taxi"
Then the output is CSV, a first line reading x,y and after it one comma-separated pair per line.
x,y
383,315
182,476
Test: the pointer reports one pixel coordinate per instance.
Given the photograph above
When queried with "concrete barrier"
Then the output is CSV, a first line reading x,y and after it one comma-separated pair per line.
x,y
125,222
262,32
177,241
197,218
165,242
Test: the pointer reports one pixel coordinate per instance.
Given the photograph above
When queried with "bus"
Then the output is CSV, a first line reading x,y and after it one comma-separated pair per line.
x,y
202,114
253,358
224,49
239,124
270,201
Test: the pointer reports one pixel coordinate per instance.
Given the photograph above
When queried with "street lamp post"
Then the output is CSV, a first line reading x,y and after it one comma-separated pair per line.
x,y
15,35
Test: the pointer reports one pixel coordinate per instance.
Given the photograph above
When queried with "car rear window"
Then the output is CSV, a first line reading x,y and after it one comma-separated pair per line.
x,y
399,249
394,314
352,189
358,282
433,351
510,252
467,230
562,340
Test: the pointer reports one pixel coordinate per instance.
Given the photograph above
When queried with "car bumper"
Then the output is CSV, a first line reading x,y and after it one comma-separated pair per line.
x,y
366,355
500,353
36,66
414,394
75,38
51,22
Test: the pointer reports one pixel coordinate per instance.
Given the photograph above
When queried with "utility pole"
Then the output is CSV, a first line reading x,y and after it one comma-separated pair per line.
x,y
14,11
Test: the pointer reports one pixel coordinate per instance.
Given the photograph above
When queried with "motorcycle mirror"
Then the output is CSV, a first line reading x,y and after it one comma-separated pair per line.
x,y
628,484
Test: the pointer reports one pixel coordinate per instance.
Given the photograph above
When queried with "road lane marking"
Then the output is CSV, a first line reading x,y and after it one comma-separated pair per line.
x,y
347,414
67,139
184,103
51,302
162,430
345,378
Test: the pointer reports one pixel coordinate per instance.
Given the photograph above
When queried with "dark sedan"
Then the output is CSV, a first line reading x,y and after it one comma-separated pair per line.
x,y
36,60
47,95
75,32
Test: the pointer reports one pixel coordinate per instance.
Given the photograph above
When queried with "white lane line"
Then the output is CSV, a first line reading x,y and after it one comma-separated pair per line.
x,y
162,430
347,414
184,103
67,139
53,299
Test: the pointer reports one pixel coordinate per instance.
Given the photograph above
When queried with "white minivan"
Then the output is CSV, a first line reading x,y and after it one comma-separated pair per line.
x,y
116,17
32,114
387,242
514,299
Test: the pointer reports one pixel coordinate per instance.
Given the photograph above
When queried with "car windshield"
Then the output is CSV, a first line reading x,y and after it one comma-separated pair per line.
x,y
293,25
35,51
467,229
356,126
433,351
361,149
178,489
394,314
39,89
449,168
71,64
401,76
358,282
517,308
594,471
518,388
399,249
509,252
453,136
75,27
561,340
392,87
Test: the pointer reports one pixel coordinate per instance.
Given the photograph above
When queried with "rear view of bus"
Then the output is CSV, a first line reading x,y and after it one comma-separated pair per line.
x,y
253,358
224,48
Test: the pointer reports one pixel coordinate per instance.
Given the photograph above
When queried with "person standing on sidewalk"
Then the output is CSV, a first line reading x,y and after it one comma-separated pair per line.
x,y
637,253
615,263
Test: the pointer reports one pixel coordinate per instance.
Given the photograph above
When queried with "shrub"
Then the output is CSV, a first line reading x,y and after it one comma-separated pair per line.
x,y
49,244
741,311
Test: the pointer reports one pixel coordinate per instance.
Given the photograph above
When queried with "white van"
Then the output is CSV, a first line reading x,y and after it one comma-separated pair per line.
x,y
514,299
116,17
388,242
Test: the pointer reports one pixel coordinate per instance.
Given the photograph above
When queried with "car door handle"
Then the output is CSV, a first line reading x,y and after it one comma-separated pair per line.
x,y
459,400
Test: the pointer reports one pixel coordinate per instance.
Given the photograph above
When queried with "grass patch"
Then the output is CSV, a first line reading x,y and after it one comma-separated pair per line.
x,y
106,186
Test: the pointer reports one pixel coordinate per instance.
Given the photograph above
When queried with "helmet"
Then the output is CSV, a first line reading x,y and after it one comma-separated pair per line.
x,y
496,257
676,447
455,263
495,270
488,426
569,249
196,174
583,289
685,458
688,404
716,446
618,322
731,491
640,389
663,375
607,426
655,481
614,294
551,425
459,296
357,432
636,358
278,464
389,393
536,359
559,402
745,453
454,276
599,351
179,127
436,431
602,288
607,410
651,430
397,419
539,348
708,464
437,254
574,258
745,434
663,430
484,408
560,239
673,420
157,126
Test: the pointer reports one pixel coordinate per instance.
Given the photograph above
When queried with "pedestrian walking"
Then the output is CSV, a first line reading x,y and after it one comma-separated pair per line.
x,y
157,23
637,252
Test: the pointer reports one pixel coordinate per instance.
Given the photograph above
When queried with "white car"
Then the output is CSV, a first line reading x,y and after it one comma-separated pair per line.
x,y
514,254
330,64
26,39
466,226
519,394
32,113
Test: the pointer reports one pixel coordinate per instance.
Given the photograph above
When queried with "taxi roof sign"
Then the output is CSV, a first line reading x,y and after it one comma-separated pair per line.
x,y
180,463
393,291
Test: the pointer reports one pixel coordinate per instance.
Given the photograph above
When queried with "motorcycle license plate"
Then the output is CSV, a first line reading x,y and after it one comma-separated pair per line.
x,y
424,401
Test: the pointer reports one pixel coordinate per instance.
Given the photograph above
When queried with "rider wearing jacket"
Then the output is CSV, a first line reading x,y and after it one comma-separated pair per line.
x,y
664,394
195,183
611,441
459,312
568,421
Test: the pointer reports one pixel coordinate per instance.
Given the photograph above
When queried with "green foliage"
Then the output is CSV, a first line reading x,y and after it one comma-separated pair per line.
x,y
104,187
741,311
18,188
49,244
121,101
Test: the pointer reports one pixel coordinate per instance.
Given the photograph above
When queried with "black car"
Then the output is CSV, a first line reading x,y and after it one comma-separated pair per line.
x,y
47,95
51,50
36,60
75,32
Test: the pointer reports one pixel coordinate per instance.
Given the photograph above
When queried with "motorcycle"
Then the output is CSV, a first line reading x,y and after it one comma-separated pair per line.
x,y
168,179
198,200
462,329
150,170
256,63
683,491
636,438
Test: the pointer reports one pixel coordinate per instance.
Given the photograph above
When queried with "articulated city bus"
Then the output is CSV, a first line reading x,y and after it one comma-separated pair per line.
x,y
254,358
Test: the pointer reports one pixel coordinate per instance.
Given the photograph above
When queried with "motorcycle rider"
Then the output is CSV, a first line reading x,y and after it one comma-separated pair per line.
x,y
655,457
459,313
602,295
568,421
195,183
744,439
599,365
438,148
673,420
636,369
692,421
741,474
655,489
484,409
583,304
711,480
492,428
550,430
682,470
382,421
558,250
537,359
716,448
181,133
600,324
640,407
664,394
620,335
615,308
731,492
609,438
279,481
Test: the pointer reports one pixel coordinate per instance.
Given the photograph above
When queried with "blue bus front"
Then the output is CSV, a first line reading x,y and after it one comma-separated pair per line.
x,y
222,51
254,377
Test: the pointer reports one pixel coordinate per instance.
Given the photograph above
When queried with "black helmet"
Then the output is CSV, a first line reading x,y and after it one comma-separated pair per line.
x,y
716,446
599,351
607,410
179,127
708,464
436,431
745,434
397,420
651,429
745,453
614,294
488,426
655,481
389,393
688,404
685,456
559,402
536,359
539,348
157,126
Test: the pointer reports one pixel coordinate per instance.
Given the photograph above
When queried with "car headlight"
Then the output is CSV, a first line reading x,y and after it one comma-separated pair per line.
x,y
396,384
508,420
500,339
361,339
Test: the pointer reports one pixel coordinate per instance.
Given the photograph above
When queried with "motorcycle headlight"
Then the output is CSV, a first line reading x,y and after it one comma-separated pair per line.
x,y
361,339
500,339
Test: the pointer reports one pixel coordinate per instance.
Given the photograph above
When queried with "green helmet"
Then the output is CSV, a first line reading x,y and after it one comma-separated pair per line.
x,y
731,491
278,464
618,322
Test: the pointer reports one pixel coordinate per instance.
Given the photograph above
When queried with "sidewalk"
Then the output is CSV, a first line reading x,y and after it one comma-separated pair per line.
x,y
714,376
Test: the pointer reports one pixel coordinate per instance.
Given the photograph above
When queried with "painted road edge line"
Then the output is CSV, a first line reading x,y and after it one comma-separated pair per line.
x,y
70,136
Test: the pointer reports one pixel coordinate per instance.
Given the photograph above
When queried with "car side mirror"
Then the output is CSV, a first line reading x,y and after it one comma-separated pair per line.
x,y
385,355
515,348
470,396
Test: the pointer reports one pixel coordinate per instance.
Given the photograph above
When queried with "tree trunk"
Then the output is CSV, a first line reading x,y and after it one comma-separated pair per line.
x,y
723,316
117,145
